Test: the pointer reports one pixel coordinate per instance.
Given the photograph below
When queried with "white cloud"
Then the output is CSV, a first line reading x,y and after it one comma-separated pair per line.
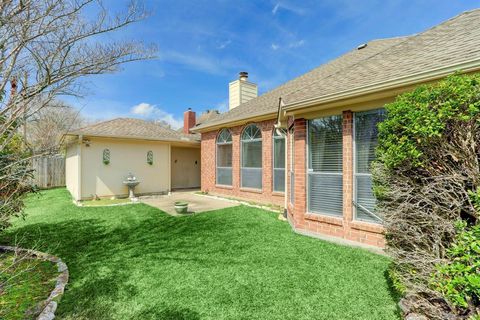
x,y
224,44
296,44
150,111
288,7
291,45
222,106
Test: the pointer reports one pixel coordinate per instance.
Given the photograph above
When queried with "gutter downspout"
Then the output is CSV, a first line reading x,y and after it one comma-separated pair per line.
x,y
284,135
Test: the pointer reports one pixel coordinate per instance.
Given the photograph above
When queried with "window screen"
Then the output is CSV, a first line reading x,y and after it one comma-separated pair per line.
x,y
278,162
292,170
366,138
251,167
224,158
325,185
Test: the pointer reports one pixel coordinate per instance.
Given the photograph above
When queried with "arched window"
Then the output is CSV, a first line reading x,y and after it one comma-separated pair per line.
x,y
224,158
251,166
278,161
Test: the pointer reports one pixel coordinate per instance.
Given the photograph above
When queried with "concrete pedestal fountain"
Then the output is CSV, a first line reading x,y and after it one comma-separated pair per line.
x,y
131,182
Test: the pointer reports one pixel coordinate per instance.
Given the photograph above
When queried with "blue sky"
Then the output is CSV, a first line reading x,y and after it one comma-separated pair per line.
x,y
202,45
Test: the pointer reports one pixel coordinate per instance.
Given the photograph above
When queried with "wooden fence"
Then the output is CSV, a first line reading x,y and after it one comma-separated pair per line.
x,y
49,171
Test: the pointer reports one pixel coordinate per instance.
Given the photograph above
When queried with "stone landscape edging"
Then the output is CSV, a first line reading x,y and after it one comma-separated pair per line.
x,y
48,306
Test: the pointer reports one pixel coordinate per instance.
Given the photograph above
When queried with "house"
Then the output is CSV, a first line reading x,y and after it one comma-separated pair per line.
x,y
308,144
100,156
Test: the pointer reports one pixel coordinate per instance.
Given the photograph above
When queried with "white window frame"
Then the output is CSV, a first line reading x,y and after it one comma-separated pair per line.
x,y
292,164
260,169
216,157
283,137
309,172
355,174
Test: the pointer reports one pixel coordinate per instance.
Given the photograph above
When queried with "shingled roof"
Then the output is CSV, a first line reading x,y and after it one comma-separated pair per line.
x,y
130,128
451,43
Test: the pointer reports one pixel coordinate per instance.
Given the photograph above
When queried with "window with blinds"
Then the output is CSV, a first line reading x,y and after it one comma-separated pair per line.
x,y
292,174
251,166
366,138
278,161
325,185
224,158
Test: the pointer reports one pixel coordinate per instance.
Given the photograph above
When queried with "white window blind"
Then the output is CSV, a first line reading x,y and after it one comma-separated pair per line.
x,y
224,158
366,138
292,170
251,167
278,162
325,185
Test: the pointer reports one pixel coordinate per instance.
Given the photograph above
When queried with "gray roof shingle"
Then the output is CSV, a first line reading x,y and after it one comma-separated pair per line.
x,y
135,129
454,41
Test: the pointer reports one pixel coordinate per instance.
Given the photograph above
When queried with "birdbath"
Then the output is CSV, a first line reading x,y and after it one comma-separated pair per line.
x,y
131,182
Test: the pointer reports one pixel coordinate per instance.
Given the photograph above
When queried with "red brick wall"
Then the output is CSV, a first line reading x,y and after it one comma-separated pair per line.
x,y
344,227
266,195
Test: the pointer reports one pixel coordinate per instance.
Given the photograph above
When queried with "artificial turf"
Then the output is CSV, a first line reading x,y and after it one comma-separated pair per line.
x,y
136,262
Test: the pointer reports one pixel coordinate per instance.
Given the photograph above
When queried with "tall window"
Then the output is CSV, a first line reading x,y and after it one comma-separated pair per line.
x,y
325,191
366,138
278,161
292,157
224,158
251,167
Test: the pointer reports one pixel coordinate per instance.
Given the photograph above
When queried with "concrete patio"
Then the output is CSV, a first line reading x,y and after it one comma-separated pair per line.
x,y
196,203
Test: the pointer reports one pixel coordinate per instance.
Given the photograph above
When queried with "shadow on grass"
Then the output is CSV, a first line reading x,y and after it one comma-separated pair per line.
x,y
139,263
101,259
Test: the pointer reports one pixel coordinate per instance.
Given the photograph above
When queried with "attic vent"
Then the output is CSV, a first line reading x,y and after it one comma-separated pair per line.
x,y
363,45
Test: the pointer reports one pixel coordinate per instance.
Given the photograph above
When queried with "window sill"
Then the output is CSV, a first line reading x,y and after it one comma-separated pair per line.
x,y
369,227
251,190
278,193
323,218
222,186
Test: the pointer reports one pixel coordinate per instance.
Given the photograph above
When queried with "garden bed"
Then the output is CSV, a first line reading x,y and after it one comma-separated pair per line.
x,y
25,283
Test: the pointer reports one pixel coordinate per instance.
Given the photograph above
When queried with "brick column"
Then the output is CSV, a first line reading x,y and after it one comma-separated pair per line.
x,y
267,151
236,161
300,159
347,168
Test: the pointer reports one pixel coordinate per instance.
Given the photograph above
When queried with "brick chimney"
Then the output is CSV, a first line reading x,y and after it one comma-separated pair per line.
x,y
189,120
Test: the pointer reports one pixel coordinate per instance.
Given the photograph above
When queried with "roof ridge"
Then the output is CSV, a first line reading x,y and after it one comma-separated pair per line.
x,y
96,124
354,64
407,39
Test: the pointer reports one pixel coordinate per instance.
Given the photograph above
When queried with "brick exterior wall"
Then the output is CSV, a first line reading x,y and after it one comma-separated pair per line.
x,y
345,227
208,147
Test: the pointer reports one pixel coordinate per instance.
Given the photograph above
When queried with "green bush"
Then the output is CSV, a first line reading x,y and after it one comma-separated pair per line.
x,y
459,280
426,179
418,117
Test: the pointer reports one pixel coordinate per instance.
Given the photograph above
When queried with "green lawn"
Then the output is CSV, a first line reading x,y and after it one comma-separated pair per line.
x,y
136,262
24,283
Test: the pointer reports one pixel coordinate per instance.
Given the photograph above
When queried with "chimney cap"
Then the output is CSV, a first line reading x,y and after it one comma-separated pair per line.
x,y
243,75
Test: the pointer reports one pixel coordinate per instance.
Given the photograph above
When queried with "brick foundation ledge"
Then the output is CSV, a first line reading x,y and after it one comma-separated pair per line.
x,y
336,240
49,306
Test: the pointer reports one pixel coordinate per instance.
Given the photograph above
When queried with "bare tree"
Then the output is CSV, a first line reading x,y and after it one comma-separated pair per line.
x,y
46,47
47,127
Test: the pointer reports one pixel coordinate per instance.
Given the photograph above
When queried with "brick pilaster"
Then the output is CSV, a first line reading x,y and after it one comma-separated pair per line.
x,y
300,159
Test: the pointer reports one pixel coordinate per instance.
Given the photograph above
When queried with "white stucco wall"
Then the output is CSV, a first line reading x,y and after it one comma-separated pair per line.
x,y
126,156
71,169
185,167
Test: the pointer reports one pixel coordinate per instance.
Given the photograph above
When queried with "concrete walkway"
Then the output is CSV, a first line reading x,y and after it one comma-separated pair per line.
x,y
196,203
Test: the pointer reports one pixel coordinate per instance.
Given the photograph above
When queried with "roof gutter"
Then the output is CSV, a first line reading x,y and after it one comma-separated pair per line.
x,y
186,141
464,67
